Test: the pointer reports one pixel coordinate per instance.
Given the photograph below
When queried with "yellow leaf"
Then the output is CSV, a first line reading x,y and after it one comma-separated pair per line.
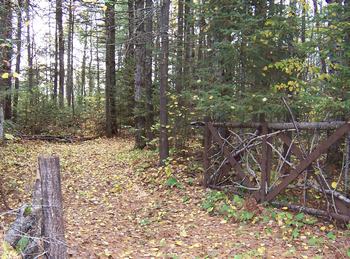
x,y
27,23
285,208
179,243
183,233
211,97
5,75
323,228
104,8
261,250
334,185
15,75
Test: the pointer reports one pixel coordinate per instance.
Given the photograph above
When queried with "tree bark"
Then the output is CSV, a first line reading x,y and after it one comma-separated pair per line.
x,y
29,53
59,21
148,70
130,44
179,71
91,74
164,28
111,109
69,87
83,66
55,80
18,58
139,90
53,226
98,70
6,56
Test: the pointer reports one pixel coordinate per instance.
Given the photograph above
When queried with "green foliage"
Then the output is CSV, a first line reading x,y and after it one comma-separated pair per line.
x,y
219,203
22,244
37,114
28,211
315,241
173,182
331,236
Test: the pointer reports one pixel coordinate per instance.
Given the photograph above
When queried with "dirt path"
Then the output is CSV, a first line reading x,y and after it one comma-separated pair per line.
x,y
111,213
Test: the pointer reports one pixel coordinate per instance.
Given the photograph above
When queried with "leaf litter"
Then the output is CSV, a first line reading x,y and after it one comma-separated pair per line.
x,y
119,204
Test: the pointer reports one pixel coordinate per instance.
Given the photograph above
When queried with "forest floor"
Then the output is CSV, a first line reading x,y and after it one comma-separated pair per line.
x,y
119,204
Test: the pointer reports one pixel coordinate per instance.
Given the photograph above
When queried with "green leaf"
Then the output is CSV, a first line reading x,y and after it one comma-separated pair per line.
x,y
9,136
299,216
331,236
171,182
295,233
27,211
22,244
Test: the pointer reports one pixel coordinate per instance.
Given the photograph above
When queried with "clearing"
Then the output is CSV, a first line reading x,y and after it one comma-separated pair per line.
x,y
119,204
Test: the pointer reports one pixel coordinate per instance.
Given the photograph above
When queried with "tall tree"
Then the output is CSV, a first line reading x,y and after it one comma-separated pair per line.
x,y
179,70
130,44
98,70
5,56
91,74
29,52
111,107
164,32
139,75
59,22
69,84
148,69
18,57
55,73
83,65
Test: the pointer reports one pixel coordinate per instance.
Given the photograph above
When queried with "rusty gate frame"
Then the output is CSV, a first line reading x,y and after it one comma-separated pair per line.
x,y
211,135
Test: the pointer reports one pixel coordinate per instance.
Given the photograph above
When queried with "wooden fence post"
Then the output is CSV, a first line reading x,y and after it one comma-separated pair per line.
x,y
1,124
53,226
266,162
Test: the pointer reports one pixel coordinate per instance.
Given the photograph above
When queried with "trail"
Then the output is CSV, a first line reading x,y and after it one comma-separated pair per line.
x,y
111,213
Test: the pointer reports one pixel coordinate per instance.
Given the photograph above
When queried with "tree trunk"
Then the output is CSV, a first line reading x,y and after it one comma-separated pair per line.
x,y
59,21
187,42
83,66
130,44
53,226
111,109
91,74
18,58
201,38
164,28
29,54
55,80
140,141
69,87
98,70
148,70
179,72
5,56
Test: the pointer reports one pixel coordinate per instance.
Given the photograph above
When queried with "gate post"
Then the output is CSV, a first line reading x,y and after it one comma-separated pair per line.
x,y
266,162
53,227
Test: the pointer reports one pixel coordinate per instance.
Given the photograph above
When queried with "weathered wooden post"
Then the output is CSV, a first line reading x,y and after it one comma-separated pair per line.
x,y
53,226
266,161
1,124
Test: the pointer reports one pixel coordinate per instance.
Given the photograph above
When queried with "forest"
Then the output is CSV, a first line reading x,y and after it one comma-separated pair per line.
x,y
174,129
